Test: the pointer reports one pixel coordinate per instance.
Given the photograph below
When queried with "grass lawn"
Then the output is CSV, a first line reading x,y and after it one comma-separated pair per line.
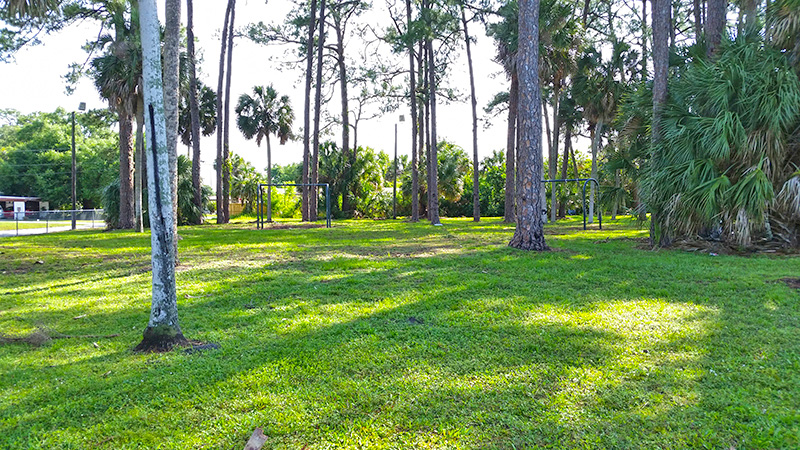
x,y
6,225
394,335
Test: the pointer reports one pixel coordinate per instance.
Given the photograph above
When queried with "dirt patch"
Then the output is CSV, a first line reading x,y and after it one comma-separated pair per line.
x,y
793,283
292,226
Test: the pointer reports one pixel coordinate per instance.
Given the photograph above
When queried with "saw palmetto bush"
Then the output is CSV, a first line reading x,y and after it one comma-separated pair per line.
x,y
727,165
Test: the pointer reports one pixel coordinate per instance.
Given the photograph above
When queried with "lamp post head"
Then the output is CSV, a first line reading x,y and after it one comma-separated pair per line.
x,y
82,106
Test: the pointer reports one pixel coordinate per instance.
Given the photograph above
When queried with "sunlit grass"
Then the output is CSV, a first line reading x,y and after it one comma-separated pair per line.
x,y
395,335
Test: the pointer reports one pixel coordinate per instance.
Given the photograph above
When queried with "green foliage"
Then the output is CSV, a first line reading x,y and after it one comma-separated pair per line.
x,y
492,178
36,158
726,149
207,105
188,212
244,182
290,173
264,114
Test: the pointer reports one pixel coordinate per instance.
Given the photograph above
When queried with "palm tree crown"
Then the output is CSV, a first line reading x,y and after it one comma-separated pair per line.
x,y
264,114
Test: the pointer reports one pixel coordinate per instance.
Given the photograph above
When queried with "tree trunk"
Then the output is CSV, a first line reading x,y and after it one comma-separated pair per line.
x,y
172,50
269,180
615,205
413,101
698,19
317,105
529,232
422,118
139,164
715,24
553,166
197,188
307,109
511,146
126,201
226,152
220,112
562,206
434,187
596,138
476,201
549,152
163,330
350,156
427,130
661,24
644,40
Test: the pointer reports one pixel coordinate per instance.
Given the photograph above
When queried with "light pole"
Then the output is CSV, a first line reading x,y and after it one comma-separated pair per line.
x,y
81,107
394,194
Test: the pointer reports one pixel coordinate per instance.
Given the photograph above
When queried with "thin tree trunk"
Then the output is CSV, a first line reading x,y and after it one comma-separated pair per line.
x,y
422,118
529,232
139,164
220,113
562,207
698,19
554,149
413,100
351,156
126,164
434,188
511,146
269,180
615,205
644,39
317,106
427,129
226,153
197,188
307,109
476,201
163,330
549,153
596,138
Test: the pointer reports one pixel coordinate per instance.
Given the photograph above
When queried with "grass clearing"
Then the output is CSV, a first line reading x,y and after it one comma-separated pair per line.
x,y
386,334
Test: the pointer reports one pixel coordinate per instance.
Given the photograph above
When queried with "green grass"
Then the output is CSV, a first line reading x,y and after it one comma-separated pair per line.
x,y
6,225
394,335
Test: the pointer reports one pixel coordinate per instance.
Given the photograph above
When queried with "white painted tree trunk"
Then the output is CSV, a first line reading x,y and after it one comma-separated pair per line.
x,y
172,49
162,330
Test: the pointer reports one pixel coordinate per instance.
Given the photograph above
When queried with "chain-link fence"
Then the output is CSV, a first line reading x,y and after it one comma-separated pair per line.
x,y
18,223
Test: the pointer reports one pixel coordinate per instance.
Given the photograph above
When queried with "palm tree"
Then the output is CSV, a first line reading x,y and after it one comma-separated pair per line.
x,y
28,8
725,164
117,78
194,109
262,115
529,232
505,35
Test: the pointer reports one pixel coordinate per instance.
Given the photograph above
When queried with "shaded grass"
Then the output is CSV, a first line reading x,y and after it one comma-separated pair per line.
x,y
396,335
